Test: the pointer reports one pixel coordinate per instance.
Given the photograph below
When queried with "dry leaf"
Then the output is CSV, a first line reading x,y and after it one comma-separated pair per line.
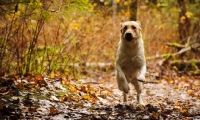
x,y
54,98
149,93
1,106
53,111
155,115
190,92
86,97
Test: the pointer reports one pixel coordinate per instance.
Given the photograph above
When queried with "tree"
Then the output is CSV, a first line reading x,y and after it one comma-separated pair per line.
x,y
183,22
114,5
23,37
133,9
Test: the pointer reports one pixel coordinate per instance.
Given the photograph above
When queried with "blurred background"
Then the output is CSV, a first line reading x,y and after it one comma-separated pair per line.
x,y
80,37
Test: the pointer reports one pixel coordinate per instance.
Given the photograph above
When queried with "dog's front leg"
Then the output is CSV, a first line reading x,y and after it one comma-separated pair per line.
x,y
122,82
141,73
125,97
139,87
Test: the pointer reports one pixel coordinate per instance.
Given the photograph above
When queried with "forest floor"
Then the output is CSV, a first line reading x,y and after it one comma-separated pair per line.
x,y
170,96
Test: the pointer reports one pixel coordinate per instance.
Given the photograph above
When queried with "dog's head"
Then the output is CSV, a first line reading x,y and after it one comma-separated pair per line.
x,y
130,31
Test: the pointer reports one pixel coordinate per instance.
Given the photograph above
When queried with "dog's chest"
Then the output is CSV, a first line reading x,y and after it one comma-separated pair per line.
x,y
131,66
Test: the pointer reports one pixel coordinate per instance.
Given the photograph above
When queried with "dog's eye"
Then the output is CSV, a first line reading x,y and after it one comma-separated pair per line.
x,y
133,27
125,27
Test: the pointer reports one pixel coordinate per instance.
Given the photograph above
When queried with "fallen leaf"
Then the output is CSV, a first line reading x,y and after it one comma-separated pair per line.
x,y
1,106
62,98
42,111
38,77
190,92
149,93
155,115
53,111
86,97
83,89
54,98
185,112
32,109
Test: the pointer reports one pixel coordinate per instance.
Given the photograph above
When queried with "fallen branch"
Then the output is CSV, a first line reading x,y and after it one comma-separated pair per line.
x,y
194,47
176,45
145,82
186,65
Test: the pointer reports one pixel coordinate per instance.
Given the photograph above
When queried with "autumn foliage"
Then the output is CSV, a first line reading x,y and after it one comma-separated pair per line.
x,y
57,60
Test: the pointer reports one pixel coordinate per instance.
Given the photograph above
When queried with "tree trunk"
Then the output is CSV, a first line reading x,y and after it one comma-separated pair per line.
x,y
114,6
133,10
152,3
183,22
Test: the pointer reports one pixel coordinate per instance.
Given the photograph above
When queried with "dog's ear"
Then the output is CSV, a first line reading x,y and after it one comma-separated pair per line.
x,y
139,23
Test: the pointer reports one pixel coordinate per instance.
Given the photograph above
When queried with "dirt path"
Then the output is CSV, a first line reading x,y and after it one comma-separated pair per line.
x,y
36,97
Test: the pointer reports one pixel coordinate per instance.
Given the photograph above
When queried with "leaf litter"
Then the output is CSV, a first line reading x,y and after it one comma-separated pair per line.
x,y
37,97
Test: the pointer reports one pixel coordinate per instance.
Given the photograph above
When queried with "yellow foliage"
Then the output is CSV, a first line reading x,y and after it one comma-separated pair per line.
x,y
30,3
18,13
52,75
92,6
189,14
183,18
117,1
162,5
75,26
143,7
80,19
8,16
162,26
97,15
126,3
127,14
174,9
40,4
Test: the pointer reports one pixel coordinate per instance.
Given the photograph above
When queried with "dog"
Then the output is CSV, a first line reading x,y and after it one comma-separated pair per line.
x,y
130,61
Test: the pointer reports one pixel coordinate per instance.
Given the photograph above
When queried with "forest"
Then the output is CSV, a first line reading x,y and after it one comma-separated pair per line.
x,y
58,59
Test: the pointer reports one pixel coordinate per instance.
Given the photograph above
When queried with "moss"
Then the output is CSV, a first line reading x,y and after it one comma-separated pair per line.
x,y
196,72
175,44
39,96
193,64
61,93
168,56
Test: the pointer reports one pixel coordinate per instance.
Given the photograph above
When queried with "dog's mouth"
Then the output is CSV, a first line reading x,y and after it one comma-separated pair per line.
x,y
129,37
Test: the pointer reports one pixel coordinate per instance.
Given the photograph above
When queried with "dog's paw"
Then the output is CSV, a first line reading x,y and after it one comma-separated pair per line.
x,y
125,88
140,101
141,78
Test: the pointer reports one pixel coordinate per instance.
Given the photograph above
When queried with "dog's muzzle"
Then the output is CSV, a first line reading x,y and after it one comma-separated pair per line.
x,y
129,36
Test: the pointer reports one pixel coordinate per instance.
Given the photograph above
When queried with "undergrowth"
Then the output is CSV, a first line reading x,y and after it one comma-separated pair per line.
x,y
61,39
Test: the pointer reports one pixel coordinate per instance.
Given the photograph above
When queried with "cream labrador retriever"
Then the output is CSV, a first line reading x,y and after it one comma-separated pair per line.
x,y
131,62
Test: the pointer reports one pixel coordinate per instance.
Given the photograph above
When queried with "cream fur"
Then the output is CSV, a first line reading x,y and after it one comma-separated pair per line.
x,y
131,62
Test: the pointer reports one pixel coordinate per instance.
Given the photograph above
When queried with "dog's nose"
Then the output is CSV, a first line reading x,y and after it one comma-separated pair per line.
x,y
128,36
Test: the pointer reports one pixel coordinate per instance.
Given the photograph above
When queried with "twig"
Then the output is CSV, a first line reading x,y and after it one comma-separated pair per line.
x,y
145,82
